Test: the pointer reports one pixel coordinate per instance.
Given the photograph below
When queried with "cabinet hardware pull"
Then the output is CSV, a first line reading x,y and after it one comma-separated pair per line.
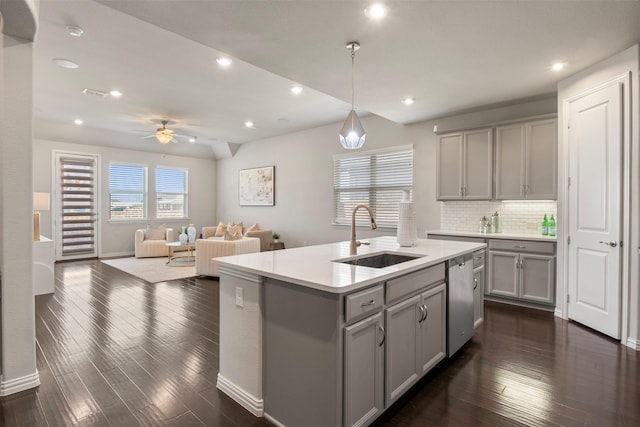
x,y
475,284
461,265
522,264
612,243
519,246
426,312
364,304
421,308
517,263
478,258
384,334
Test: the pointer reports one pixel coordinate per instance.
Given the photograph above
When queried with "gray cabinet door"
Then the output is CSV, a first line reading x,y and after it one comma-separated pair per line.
x,y
477,178
510,161
503,274
363,371
449,167
541,160
537,275
402,359
478,295
433,329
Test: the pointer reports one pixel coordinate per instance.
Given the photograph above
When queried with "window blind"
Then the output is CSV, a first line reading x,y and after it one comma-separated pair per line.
x,y
171,193
78,211
127,191
375,178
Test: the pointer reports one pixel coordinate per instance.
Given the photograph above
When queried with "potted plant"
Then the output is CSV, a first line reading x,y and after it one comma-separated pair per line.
x,y
276,237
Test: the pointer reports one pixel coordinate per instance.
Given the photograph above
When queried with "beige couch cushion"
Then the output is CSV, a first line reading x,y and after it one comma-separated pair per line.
x,y
207,249
155,232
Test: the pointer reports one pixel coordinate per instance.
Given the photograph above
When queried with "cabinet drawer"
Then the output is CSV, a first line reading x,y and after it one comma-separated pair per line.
x,y
523,246
405,285
362,303
478,259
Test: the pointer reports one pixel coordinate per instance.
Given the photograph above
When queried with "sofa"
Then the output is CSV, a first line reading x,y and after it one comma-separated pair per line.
x,y
214,247
265,236
152,247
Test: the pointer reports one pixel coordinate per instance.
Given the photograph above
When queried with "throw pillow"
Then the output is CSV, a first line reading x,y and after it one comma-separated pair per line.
x,y
231,236
156,233
254,227
236,230
221,229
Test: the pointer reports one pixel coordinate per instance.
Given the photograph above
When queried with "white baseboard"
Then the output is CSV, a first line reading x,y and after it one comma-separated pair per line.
x,y
249,402
558,313
633,343
19,384
116,254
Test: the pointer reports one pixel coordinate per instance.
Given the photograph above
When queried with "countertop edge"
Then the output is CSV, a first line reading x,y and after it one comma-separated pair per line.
x,y
504,236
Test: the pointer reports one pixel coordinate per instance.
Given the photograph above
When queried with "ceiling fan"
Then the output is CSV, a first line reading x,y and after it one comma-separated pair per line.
x,y
165,135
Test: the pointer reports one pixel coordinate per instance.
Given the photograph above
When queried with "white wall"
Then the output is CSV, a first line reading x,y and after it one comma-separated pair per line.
x,y
117,238
303,209
17,344
625,63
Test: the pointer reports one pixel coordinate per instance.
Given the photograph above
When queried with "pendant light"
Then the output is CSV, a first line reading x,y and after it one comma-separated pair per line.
x,y
352,134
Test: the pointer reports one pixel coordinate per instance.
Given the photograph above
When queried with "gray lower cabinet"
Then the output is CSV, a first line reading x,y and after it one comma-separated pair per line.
x,y
416,339
521,275
363,371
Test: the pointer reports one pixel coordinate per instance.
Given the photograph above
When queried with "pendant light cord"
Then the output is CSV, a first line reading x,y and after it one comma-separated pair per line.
x,y
353,58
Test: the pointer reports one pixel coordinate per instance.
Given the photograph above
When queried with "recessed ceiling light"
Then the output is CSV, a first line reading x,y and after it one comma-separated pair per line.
x,y
192,139
74,30
376,11
558,66
296,90
249,124
408,101
223,61
65,63
115,93
78,121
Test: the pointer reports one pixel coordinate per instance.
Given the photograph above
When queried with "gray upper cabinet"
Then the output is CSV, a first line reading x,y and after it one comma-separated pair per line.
x,y
465,165
526,160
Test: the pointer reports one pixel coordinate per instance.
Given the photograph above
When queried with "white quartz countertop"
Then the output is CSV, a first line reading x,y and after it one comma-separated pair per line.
x,y
511,236
314,266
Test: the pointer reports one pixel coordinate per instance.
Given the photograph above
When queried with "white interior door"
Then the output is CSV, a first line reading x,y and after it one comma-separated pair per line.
x,y
595,144
75,205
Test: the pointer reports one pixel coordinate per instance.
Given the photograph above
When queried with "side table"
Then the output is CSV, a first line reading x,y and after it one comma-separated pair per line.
x,y
274,246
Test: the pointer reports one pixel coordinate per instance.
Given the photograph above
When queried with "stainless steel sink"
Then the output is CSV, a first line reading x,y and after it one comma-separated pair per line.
x,y
380,260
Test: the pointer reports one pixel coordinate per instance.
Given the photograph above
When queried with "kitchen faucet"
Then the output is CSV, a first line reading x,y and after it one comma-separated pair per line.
x,y
355,243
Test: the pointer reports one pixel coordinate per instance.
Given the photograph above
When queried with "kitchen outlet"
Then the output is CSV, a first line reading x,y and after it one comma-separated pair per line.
x,y
239,296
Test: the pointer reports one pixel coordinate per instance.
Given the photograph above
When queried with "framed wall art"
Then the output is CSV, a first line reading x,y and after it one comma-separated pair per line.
x,y
257,186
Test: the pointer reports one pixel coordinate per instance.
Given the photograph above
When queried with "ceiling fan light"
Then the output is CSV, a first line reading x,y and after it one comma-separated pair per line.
x,y
164,136
352,134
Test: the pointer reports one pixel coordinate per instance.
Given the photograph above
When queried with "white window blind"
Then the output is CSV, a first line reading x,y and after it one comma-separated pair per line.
x,y
78,211
127,191
171,193
374,178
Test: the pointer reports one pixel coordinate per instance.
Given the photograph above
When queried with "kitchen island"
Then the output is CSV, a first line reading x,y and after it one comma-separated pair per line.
x,y
310,336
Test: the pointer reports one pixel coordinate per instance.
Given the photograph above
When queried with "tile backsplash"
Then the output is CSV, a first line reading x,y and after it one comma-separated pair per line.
x,y
517,216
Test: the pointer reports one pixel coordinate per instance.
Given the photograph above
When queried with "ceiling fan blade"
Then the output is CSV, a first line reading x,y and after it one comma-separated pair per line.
x,y
148,136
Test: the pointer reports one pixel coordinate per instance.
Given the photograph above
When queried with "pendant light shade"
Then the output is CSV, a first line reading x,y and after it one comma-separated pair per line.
x,y
164,136
352,134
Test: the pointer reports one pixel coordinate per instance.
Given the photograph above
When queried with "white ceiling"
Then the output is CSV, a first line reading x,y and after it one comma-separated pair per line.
x,y
450,56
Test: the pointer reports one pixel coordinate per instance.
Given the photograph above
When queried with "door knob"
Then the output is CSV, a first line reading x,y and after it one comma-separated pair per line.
x,y
612,243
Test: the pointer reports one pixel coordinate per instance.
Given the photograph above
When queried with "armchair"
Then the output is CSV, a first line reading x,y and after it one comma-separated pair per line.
x,y
152,248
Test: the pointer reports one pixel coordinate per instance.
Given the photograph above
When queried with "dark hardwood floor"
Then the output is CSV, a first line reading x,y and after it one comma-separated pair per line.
x,y
115,350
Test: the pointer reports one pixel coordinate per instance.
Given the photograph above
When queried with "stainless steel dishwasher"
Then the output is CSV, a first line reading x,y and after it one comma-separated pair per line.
x,y
460,295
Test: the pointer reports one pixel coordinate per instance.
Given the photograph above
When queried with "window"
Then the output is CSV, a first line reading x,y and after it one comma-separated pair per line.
x,y
171,193
375,178
127,191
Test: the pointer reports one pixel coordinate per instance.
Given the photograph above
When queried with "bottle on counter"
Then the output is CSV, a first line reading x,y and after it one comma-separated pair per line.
x,y
552,226
496,226
545,226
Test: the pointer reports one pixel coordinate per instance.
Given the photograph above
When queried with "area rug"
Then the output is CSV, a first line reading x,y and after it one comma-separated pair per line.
x,y
153,270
